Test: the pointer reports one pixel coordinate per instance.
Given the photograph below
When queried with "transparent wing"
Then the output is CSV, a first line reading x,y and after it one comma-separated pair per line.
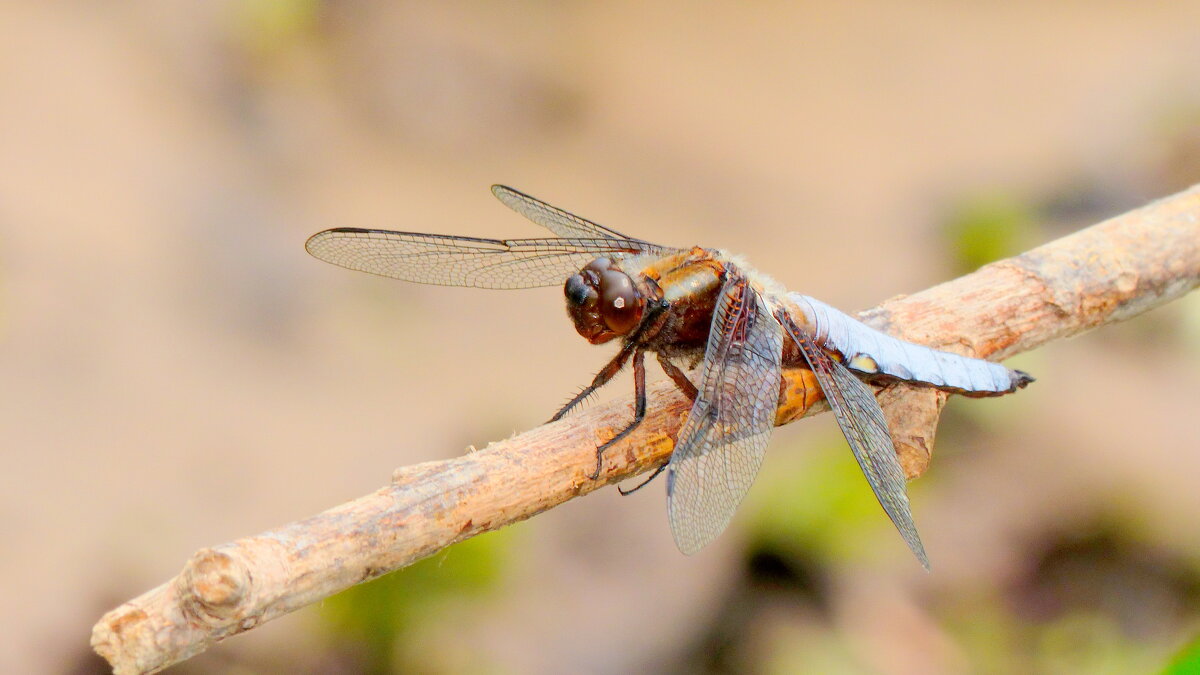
x,y
721,445
449,260
866,430
560,222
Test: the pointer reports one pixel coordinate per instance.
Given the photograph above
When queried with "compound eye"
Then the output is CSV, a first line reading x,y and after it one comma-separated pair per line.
x,y
619,304
578,292
598,266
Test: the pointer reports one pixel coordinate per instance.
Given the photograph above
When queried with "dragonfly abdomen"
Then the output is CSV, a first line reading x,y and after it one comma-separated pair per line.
x,y
874,353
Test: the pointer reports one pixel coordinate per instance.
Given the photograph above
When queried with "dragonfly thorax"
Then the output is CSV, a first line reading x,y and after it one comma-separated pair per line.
x,y
603,301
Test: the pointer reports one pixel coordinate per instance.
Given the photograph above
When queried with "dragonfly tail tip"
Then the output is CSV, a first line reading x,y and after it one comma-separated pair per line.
x,y
1023,379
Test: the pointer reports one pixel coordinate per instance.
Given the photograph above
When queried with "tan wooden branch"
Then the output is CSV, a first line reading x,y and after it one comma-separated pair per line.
x,y
1106,273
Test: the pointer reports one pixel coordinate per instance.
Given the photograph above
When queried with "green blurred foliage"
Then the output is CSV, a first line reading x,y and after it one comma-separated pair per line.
x,y
986,228
378,621
984,627
997,640
1089,642
1095,599
825,510
268,26
1187,661
806,649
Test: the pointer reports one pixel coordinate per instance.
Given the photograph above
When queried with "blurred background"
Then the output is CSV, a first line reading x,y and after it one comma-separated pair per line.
x,y
177,372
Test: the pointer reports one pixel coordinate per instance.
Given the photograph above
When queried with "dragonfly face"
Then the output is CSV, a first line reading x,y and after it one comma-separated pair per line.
x,y
603,301
694,304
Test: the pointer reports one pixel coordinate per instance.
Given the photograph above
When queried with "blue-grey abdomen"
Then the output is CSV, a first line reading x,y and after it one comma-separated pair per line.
x,y
871,352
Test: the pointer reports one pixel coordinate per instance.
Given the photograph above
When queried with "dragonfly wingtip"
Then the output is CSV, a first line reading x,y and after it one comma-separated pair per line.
x,y
917,547
919,552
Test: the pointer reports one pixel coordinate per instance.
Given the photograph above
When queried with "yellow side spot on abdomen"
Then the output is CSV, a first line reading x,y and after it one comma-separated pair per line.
x,y
864,364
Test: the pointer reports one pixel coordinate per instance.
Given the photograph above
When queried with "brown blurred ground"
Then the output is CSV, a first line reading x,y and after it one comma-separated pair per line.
x,y
177,372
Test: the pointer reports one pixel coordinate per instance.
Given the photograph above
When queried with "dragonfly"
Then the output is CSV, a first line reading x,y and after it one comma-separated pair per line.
x,y
701,310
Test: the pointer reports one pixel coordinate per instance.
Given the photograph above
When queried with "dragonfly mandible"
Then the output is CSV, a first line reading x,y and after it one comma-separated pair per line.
x,y
694,308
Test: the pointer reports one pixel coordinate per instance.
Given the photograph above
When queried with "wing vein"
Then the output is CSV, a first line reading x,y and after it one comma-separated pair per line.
x,y
865,428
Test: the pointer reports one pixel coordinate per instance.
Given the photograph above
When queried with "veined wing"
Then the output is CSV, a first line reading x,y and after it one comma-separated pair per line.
x,y
721,445
866,430
558,221
449,260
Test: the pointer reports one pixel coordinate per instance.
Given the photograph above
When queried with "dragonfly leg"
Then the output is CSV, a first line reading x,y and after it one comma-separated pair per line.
x,y
606,373
689,390
639,486
639,412
679,378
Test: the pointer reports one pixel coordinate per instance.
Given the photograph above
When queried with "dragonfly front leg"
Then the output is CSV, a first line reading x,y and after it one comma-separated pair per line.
x,y
606,373
639,409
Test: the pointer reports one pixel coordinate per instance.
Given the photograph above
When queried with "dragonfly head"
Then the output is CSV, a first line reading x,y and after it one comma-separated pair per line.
x,y
603,301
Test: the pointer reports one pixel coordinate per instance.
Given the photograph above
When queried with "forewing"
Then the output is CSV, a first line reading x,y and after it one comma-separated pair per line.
x,y
449,260
721,445
866,430
558,221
